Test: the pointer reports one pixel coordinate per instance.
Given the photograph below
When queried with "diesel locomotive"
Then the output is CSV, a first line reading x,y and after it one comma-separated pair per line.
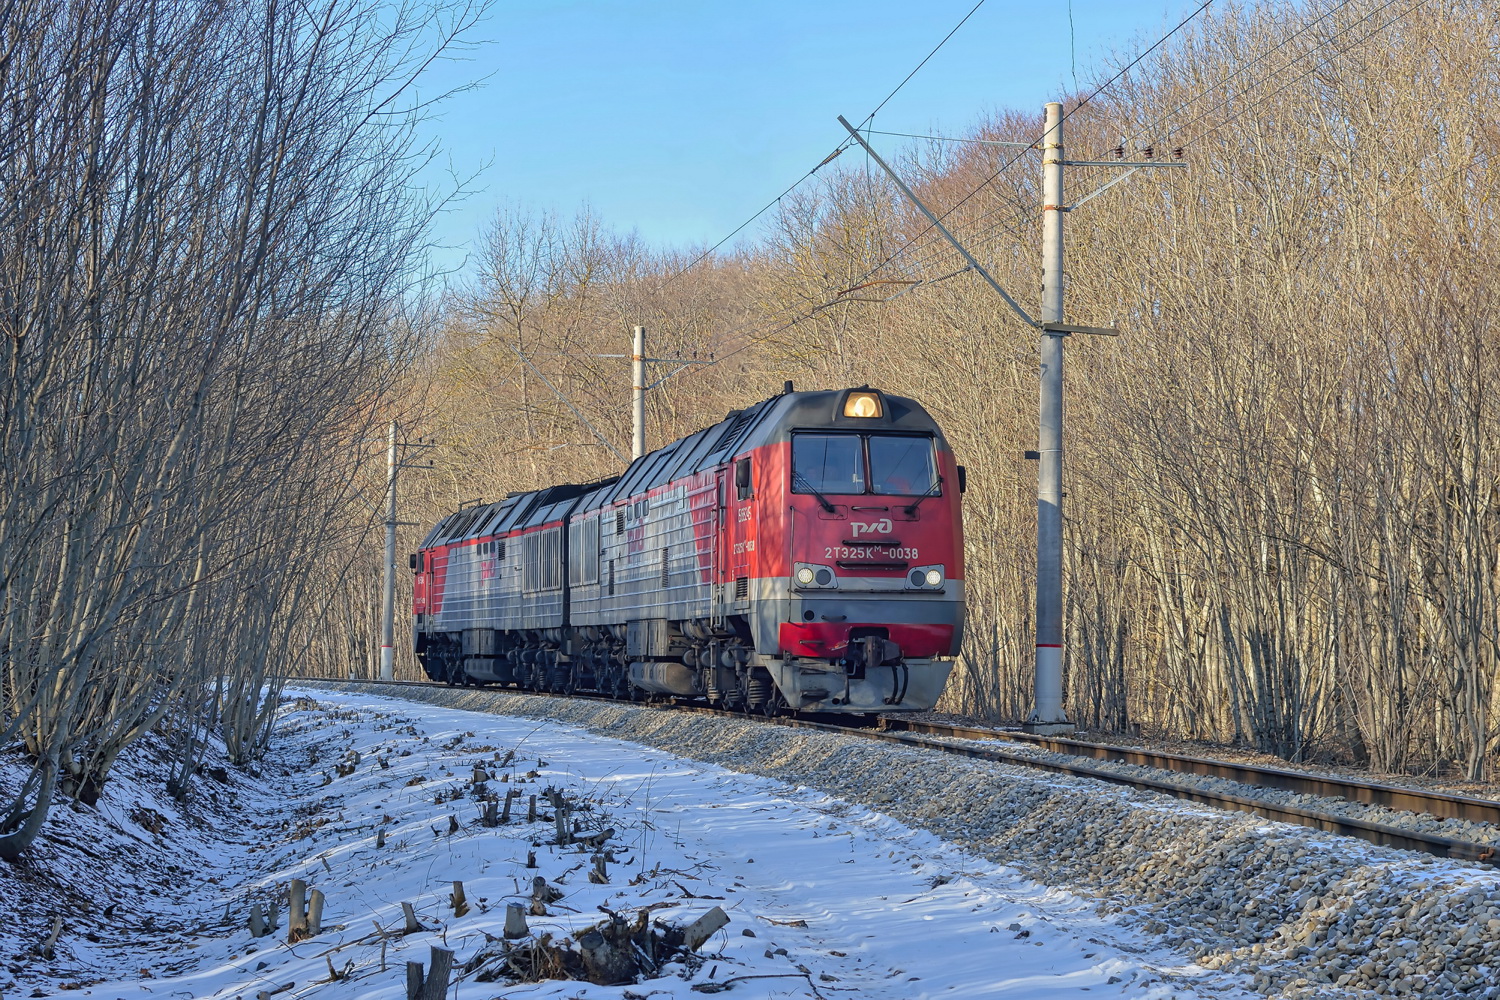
x,y
804,553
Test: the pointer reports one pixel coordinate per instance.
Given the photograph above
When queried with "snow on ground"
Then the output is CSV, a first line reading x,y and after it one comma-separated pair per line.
x,y
825,899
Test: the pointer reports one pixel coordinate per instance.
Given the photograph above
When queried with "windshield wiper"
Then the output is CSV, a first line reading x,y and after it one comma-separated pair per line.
x,y
800,481
937,488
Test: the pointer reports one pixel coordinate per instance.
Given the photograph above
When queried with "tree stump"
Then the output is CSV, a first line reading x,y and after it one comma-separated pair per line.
x,y
700,930
433,985
315,913
606,963
541,895
48,948
296,918
515,922
258,927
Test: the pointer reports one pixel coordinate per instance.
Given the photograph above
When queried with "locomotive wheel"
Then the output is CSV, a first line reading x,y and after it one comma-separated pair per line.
x,y
774,705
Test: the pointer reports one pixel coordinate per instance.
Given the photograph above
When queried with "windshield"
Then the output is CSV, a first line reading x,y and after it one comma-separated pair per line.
x,y
901,466
841,464
828,463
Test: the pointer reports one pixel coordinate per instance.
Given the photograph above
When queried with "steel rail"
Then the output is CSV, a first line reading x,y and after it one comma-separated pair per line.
x,y
1444,805
1376,833
919,734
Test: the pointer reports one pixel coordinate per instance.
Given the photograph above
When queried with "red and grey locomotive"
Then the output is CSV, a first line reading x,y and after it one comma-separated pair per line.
x,y
805,552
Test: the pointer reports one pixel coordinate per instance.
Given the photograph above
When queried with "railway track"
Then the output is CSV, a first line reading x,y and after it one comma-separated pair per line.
x,y
1021,749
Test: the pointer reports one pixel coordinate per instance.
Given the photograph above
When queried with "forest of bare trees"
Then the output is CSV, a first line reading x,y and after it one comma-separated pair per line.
x,y
1282,500
1281,481
206,248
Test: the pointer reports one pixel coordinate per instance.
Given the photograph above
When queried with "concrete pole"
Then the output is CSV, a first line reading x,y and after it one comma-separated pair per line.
x,y
388,607
638,394
1048,715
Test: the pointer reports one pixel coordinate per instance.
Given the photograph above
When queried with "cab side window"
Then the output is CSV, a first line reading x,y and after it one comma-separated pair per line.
x,y
743,489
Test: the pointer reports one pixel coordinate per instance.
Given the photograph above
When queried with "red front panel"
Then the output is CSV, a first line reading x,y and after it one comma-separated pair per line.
x,y
830,639
864,535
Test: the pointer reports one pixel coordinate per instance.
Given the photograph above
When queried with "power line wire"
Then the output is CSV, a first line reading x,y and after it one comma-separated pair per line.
x,y
929,228
1246,67
936,250
1066,115
1301,76
827,159
871,116
762,211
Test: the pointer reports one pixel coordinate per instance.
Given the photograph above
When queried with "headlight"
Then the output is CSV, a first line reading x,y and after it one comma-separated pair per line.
x,y
862,404
810,576
925,578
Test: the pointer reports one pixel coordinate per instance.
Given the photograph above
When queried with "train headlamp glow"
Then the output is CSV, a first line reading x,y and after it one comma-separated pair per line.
x,y
934,577
805,575
862,404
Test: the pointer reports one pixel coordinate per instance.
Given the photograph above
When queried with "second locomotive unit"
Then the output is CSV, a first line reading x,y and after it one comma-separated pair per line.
x,y
804,553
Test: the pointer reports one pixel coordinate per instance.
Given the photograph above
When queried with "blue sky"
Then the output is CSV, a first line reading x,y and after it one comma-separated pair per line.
x,y
679,119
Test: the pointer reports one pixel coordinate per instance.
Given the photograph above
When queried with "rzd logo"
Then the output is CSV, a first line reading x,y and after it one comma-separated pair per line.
x,y
880,527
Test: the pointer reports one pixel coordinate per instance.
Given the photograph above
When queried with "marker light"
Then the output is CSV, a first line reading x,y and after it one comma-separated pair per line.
x,y
812,576
926,577
862,404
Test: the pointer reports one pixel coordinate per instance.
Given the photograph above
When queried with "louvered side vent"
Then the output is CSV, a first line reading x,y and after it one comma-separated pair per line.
x,y
666,573
742,588
620,521
733,429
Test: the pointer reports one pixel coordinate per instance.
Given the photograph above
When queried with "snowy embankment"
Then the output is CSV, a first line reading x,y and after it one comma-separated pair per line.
x,y
830,869
824,898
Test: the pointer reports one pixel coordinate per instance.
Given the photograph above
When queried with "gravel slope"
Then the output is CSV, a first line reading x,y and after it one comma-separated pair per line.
x,y
1454,829
1305,914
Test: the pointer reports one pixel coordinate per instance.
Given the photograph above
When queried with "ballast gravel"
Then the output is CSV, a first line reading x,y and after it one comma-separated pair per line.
x,y
1302,913
1453,829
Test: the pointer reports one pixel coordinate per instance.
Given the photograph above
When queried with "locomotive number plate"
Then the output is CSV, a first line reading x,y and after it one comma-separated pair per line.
x,y
875,554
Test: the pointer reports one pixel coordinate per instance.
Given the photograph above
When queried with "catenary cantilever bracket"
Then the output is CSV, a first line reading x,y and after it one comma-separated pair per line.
x,y
910,194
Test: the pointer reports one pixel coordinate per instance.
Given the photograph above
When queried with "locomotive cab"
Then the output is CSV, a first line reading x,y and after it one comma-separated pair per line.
x,y
874,555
